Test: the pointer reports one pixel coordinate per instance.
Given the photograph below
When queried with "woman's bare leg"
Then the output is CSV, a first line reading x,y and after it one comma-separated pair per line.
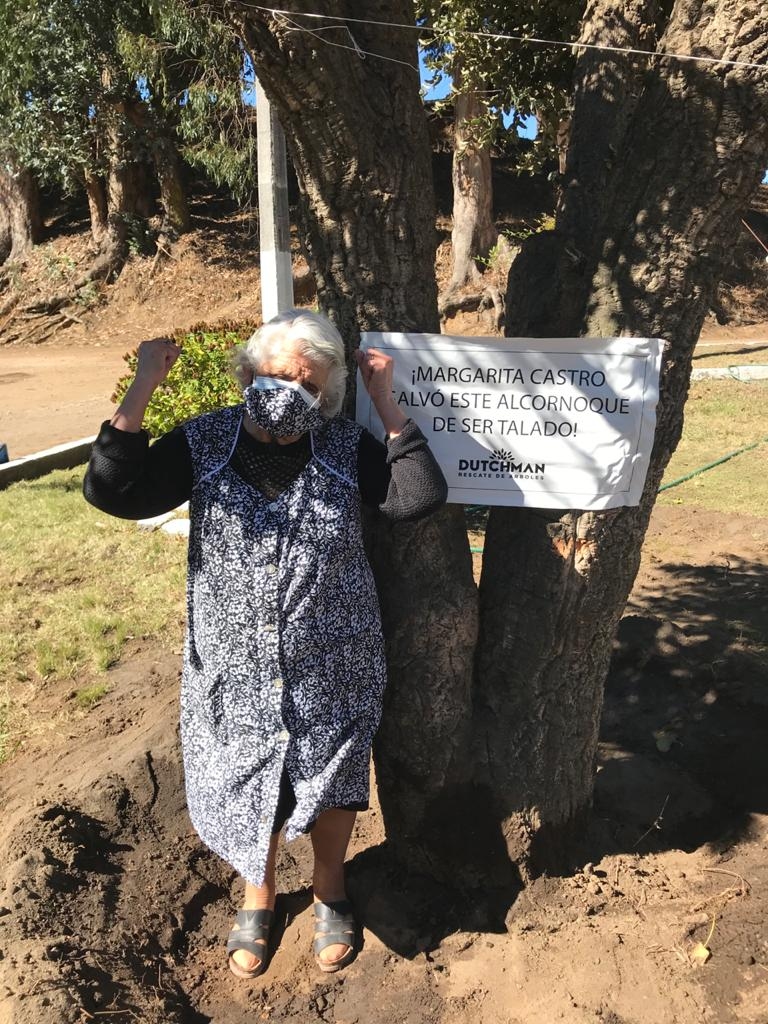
x,y
330,838
259,897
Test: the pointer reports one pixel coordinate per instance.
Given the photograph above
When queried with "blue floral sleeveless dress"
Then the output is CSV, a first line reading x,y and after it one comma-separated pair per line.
x,y
284,658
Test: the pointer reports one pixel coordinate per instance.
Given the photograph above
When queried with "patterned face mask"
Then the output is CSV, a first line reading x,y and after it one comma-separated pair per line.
x,y
282,407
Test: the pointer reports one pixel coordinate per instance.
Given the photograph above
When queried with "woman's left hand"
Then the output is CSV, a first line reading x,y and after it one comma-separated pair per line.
x,y
376,370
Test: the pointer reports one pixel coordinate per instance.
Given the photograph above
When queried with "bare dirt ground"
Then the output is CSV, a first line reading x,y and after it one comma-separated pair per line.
x,y
111,910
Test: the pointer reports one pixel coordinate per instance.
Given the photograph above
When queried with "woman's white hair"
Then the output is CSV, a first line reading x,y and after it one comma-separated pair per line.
x,y
310,334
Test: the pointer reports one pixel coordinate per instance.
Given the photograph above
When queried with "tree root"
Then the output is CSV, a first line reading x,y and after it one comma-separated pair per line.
x,y
451,303
9,304
37,319
34,328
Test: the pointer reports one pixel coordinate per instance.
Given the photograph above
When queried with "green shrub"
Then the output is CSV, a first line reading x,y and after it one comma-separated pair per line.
x,y
201,379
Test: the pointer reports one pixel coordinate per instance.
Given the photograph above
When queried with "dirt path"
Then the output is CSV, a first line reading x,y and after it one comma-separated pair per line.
x,y
53,394
60,390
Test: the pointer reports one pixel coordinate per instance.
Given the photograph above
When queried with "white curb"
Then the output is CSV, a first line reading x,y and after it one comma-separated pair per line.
x,y
176,527
744,373
153,522
62,456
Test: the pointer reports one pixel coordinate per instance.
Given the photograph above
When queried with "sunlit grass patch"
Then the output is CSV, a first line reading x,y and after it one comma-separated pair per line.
x,y
733,352
75,587
721,416
4,728
89,695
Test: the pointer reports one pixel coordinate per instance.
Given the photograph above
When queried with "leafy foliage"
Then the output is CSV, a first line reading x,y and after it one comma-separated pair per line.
x,y
201,379
192,72
62,82
514,78
72,71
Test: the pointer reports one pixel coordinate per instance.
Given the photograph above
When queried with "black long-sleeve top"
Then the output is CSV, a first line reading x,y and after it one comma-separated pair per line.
x,y
133,479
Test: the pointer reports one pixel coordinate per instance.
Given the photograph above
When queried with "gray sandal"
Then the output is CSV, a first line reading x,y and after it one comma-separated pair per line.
x,y
251,933
334,925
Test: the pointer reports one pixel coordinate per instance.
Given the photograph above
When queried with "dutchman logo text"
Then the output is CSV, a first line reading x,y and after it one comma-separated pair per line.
x,y
501,463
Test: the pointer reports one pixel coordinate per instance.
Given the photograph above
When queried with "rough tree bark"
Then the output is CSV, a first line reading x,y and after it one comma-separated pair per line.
x,y
6,239
474,232
173,197
663,156
19,195
495,767
122,195
165,156
97,206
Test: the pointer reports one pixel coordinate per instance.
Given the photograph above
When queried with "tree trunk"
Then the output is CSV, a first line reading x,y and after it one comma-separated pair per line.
x,y
20,197
173,197
363,166
6,238
562,142
474,232
662,159
159,136
123,194
479,771
97,206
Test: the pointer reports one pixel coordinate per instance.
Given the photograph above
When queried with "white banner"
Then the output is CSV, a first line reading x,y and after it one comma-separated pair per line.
x,y
542,423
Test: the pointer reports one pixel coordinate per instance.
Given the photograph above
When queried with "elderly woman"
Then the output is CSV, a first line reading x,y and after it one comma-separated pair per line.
x,y
283,664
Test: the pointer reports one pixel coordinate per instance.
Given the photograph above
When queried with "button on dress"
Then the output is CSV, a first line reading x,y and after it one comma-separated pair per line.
x,y
284,664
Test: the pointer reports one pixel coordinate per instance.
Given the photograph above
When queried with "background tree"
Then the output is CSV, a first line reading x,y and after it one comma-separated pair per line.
x,y
20,220
193,75
110,98
491,77
485,758
65,105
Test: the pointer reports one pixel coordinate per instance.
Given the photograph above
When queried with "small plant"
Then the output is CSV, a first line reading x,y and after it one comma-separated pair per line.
x,y
200,381
88,296
89,696
546,222
134,247
58,265
13,269
138,236
500,255
5,732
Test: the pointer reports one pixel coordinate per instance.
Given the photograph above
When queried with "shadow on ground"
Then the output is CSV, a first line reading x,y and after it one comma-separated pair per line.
x,y
683,754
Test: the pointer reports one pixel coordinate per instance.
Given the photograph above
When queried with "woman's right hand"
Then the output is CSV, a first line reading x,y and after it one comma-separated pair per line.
x,y
155,359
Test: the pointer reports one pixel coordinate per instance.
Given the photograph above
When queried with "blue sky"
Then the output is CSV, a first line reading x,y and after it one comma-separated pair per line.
x,y
442,88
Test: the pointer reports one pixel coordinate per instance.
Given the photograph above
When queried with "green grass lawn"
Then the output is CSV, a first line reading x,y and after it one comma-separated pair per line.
x,y
730,353
75,587
721,416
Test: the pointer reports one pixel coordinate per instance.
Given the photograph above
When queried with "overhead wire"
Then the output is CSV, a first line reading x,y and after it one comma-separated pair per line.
x,y
292,26
506,36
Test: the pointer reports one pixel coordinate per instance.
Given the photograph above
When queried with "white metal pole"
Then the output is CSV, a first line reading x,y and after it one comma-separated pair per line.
x,y
274,224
